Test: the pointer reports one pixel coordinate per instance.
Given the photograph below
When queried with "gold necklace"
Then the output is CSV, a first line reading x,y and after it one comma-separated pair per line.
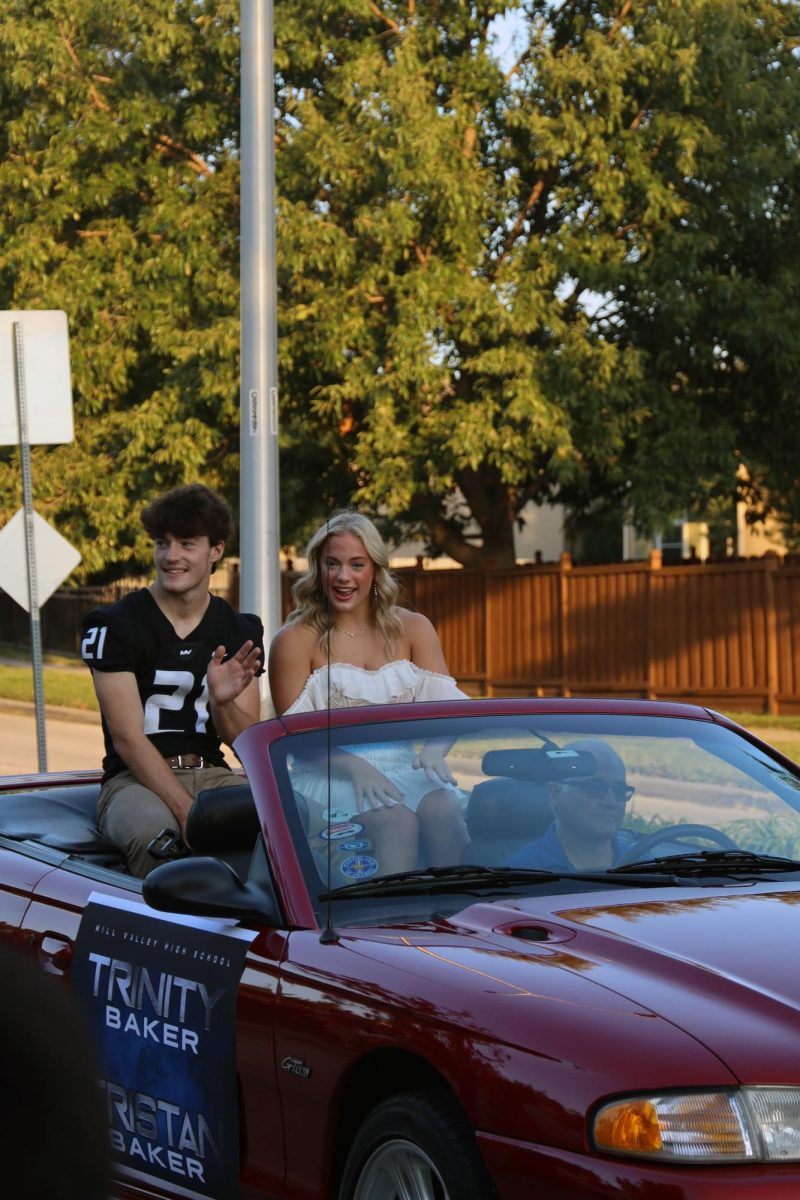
x,y
347,632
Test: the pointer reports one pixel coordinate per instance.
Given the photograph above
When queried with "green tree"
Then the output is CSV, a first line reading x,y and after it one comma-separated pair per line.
x,y
711,299
571,280
119,203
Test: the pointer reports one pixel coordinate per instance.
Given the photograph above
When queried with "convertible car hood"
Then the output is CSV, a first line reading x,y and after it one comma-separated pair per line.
x,y
718,964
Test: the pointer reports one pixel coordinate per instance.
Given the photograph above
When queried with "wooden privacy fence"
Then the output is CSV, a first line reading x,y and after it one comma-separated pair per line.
x,y
726,634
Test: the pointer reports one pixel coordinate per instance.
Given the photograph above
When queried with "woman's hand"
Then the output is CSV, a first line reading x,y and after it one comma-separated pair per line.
x,y
372,788
431,760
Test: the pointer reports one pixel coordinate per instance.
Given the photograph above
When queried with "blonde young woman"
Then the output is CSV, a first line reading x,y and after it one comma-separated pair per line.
x,y
348,643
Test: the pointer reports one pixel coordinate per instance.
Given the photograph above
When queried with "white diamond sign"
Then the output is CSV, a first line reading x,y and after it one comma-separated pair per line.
x,y
55,559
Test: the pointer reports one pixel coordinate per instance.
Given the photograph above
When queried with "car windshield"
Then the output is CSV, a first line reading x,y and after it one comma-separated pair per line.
x,y
542,800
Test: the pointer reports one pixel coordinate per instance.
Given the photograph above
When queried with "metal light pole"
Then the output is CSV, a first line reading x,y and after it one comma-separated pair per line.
x,y
259,522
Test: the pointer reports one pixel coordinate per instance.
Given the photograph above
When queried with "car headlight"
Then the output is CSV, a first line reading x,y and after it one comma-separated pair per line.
x,y
756,1124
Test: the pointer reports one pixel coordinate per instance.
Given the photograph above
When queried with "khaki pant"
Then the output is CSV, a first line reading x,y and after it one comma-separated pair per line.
x,y
130,815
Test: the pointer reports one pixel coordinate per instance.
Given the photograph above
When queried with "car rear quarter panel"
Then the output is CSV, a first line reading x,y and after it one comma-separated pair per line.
x,y
19,874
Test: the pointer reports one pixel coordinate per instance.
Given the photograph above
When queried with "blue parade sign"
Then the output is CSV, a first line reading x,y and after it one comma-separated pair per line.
x,y
160,993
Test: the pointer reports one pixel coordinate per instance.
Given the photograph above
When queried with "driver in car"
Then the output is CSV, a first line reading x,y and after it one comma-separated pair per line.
x,y
588,811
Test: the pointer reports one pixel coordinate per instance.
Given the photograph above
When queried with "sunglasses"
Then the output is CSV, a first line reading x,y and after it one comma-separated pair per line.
x,y
598,789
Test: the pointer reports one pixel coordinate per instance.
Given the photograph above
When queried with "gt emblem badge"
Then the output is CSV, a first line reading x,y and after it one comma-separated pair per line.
x,y
296,1066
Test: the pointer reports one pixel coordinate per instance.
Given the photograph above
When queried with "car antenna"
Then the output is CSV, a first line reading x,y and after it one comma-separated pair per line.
x,y
328,934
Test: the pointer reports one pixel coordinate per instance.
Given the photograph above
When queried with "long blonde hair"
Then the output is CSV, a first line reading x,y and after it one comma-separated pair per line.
x,y
311,603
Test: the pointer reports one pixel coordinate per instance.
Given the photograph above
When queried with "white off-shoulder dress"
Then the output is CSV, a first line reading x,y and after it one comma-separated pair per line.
x,y
396,682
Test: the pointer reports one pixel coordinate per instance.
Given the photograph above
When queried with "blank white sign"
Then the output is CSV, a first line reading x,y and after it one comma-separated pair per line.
x,y
48,392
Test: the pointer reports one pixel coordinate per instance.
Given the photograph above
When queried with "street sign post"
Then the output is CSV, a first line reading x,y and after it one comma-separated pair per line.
x,y
35,407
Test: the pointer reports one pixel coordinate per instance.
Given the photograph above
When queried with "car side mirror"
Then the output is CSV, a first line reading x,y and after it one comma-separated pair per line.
x,y
209,887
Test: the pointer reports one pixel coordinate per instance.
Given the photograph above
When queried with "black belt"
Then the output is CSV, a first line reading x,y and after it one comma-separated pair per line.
x,y
192,762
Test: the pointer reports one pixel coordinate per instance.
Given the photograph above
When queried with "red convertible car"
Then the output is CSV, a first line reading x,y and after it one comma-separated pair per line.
x,y
596,996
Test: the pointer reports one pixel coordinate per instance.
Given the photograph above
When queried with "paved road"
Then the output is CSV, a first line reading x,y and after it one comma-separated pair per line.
x,y
71,745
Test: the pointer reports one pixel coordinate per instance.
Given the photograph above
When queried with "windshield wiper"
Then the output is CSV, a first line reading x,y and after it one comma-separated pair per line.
x,y
434,878
710,862
438,879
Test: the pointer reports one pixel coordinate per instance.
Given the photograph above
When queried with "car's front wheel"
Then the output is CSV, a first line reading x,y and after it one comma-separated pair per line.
x,y
417,1144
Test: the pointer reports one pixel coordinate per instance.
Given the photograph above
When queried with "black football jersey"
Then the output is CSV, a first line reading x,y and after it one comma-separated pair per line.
x,y
134,635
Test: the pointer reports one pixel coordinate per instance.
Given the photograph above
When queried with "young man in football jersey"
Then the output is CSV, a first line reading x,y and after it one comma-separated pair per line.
x,y
150,655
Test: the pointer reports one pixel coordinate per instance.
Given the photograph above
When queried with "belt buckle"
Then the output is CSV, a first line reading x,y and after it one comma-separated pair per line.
x,y
177,761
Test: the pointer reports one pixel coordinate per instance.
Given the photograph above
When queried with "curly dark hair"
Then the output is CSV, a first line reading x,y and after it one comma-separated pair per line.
x,y
190,510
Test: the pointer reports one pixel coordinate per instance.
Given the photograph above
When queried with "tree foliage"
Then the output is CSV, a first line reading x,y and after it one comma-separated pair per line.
x,y
571,277
119,203
574,279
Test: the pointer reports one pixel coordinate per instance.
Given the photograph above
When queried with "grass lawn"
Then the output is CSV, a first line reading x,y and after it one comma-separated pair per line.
x,y
69,686
756,721
67,682
781,732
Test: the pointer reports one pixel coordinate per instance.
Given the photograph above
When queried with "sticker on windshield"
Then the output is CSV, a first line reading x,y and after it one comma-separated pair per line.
x,y
361,844
336,814
360,866
349,829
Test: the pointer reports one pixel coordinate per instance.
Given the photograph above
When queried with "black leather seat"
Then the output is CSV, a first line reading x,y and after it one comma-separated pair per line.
x,y
223,822
223,819
64,818
502,816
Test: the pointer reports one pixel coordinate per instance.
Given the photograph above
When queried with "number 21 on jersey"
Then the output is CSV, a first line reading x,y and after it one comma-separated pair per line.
x,y
92,644
181,683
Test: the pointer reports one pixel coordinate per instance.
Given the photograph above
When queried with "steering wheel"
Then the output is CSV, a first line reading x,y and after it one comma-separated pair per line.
x,y
672,833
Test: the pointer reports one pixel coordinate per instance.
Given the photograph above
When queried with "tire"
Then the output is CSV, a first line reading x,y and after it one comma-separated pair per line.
x,y
415,1144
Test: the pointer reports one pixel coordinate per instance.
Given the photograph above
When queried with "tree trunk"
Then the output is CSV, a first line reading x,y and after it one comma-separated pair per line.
x,y
492,505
